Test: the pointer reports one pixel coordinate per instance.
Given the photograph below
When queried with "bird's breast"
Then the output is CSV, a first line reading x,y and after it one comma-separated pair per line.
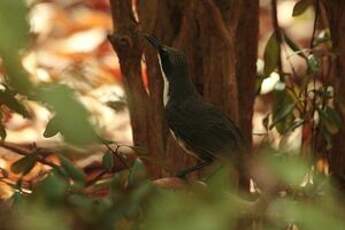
x,y
165,84
183,145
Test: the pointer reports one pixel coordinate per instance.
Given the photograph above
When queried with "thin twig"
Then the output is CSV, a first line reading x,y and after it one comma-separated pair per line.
x,y
116,153
14,186
19,150
316,20
277,31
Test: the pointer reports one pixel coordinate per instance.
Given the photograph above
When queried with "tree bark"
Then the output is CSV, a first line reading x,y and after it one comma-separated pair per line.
x,y
336,17
126,41
219,38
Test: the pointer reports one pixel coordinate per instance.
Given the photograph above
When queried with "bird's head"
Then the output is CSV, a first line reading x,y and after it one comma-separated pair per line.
x,y
173,62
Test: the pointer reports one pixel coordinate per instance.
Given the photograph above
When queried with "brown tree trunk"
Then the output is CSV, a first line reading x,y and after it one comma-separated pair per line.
x,y
220,40
336,15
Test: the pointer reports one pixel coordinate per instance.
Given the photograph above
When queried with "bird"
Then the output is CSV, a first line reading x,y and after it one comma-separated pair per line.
x,y
199,127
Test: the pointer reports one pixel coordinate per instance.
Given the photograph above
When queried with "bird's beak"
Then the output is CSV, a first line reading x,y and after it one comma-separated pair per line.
x,y
153,41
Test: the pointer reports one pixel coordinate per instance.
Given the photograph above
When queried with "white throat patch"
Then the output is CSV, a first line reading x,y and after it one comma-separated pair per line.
x,y
166,84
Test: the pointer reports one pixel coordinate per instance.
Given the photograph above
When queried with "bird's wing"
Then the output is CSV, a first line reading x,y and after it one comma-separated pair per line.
x,y
205,130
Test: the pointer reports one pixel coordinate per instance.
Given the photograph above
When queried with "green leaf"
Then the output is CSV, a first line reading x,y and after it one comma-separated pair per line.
x,y
282,111
137,173
75,173
72,117
25,164
51,128
14,30
330,119
13,25
119,181
288,168
108,161
271,55
300,7
53,187
81,201
7,97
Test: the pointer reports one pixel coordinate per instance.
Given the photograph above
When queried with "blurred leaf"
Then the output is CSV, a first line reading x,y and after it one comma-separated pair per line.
x,y
71,117
51,128
220,181
80,201
330,119
108,161
313,63
119,181
290,169
137,173
271,55
52,187
75,173
7,97
190,212
141,192
300,7
14,30
307,216
40,216
124,224
294,46
13,26
25,164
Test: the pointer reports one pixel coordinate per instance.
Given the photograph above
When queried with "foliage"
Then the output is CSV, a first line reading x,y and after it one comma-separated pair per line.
x,y
306,102
128,201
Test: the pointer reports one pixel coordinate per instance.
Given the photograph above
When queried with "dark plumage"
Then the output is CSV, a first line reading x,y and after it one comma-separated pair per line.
x,y
204,130
199,127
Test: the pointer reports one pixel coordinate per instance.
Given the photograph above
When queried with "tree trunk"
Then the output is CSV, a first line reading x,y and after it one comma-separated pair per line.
x,y
336,16
220,40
